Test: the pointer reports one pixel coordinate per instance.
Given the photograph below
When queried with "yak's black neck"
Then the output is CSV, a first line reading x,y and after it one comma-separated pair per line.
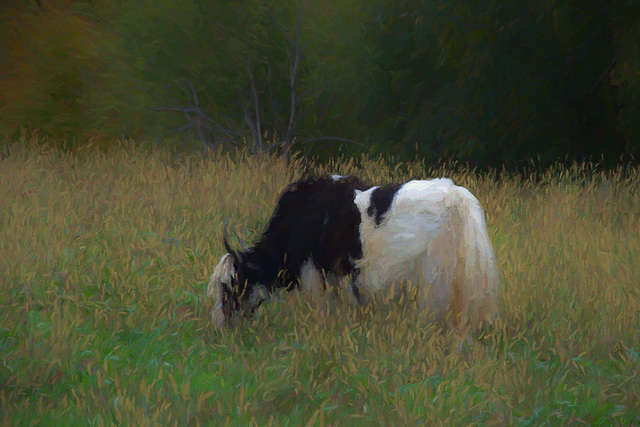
x,y
315,221
265,264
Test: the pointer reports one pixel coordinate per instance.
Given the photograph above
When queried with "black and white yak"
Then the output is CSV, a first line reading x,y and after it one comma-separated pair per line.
x,y
430,234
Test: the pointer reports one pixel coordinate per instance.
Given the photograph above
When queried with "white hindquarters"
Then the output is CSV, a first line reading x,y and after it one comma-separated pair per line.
x,y
433,236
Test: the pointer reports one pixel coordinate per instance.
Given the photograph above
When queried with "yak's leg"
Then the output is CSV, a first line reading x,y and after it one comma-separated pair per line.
x,y
316,287
345,286
311,280
355,290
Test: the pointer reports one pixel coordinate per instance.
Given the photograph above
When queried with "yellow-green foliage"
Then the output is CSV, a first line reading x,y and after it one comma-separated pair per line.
x,y
104,260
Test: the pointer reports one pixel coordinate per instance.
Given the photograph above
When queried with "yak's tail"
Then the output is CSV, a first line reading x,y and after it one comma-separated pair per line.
x,y
476,284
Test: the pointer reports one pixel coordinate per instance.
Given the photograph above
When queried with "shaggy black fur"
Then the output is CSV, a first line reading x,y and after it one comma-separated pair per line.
x,y
381,199
314,219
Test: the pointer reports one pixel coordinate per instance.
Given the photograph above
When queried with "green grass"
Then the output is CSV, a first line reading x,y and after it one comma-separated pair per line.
x,y
104,260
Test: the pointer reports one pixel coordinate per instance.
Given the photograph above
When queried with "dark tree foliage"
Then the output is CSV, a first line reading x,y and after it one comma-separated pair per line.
x,y
625,24
491,82
498,82
54,72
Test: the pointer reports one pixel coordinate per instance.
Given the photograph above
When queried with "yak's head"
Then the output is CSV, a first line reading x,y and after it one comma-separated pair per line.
x,y
235,284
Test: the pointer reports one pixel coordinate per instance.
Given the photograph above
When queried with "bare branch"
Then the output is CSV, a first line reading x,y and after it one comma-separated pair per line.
x,y
197,119
273,104
247,120
282,30
184,90
202,124
204,140
195,95
179,129
303,94
294,59
299,118
229,132
256,102
219,127
274,145
188,117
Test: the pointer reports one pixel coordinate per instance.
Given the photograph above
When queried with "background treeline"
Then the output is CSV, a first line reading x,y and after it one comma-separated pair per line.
x,y
491,82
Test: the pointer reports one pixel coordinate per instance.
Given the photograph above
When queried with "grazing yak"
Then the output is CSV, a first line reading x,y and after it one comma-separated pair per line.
x,y
426,234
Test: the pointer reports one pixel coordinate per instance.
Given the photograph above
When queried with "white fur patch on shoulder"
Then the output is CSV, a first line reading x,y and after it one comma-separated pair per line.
x,y
362,200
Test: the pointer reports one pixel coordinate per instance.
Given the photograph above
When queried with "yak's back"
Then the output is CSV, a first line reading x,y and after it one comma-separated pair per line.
x,y
316,218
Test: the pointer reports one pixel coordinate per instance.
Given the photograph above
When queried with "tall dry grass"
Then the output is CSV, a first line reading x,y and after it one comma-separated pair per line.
x,y
104,260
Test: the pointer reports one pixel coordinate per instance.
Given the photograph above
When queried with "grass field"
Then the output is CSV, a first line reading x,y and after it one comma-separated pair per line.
x,y
104,260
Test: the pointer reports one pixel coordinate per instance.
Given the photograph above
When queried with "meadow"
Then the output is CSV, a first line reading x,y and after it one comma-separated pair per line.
x,y
105,257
